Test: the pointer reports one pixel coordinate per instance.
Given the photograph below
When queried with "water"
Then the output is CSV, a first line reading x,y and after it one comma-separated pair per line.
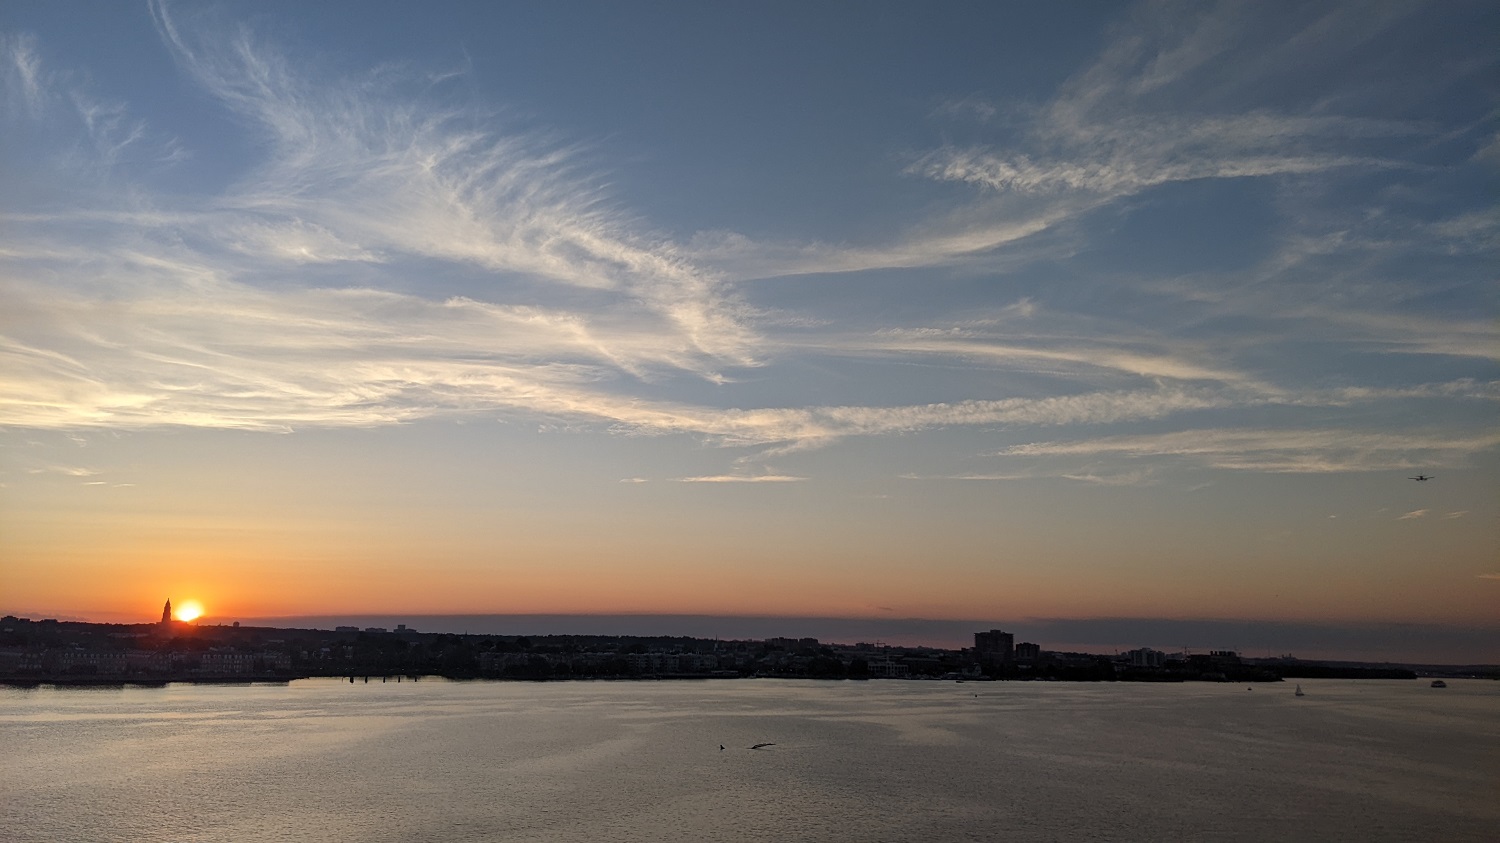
x,y
323,760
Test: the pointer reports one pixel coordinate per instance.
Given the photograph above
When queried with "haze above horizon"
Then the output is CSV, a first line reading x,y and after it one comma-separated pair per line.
x,y
857,311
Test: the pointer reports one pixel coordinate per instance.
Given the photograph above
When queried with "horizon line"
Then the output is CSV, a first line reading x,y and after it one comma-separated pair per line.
x,y
1329,639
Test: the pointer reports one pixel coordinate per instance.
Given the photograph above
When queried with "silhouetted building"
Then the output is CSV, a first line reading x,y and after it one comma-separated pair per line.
x,y
1028,652
887,669
793,643
995,646
1146,657
166,614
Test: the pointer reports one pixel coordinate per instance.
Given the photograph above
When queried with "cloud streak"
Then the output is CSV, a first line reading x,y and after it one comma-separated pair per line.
x,y
387,254
1117,129
737,478
1290,451
366,168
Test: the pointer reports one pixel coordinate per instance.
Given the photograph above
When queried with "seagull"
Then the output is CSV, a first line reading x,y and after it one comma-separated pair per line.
x,y
1420,478
762,745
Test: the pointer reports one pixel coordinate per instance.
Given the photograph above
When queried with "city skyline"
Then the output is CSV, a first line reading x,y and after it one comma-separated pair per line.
x,y
877,314
1402,643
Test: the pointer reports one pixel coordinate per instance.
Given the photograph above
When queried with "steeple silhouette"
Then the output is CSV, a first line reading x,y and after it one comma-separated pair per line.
x,y
166,614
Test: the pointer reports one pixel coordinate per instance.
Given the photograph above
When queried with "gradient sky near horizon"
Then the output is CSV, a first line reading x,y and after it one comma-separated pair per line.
x,y
851,310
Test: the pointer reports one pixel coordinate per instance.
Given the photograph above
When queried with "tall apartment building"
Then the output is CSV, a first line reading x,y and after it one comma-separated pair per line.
x,y
995,646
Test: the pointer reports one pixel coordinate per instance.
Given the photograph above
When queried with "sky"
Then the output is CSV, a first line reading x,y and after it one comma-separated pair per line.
x,y
954,315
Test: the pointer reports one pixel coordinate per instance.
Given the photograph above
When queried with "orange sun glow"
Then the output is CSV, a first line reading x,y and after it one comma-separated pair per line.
x,y
190,610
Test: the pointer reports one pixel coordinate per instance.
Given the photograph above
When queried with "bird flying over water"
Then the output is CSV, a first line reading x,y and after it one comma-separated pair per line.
x,y
762,745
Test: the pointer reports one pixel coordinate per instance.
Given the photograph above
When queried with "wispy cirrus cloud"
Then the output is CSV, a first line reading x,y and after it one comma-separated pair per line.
x,y
1115,351
1277,450
368,165
23,70
1157,107
234,310
68,470
100,132
196,349
179,341
387,254
1180,97
1144,153
1413,515
1129,478
740,478
989,477
1008,238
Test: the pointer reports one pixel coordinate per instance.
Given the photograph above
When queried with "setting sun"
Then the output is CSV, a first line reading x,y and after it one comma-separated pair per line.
x,y
189,611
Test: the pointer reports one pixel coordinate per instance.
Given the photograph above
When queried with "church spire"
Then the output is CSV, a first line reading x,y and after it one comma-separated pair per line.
x,y
166,614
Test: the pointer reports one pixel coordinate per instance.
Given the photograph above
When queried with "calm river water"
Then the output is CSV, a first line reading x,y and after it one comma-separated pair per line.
x,y
324,760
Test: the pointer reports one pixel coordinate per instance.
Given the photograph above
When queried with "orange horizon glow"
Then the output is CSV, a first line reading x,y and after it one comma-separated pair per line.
x,y
667,586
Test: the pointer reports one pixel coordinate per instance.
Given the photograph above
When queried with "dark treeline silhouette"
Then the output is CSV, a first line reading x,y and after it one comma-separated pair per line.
x,y
75,652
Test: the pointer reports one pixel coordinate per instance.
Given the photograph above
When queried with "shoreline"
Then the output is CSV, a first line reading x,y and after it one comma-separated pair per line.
x,y
25,682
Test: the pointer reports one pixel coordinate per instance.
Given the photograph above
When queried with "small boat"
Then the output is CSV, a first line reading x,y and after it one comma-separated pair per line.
x,y
1299,692
1438,683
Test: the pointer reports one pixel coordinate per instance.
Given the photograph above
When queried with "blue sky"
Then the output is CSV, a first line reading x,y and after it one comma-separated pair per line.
x,y
963,311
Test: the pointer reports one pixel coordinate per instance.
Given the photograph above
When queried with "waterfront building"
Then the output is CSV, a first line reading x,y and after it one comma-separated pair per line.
x,y
995,646
1146,657
887,669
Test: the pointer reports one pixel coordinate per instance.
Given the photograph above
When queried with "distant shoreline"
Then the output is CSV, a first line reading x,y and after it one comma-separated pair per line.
x,y
83,655
158,682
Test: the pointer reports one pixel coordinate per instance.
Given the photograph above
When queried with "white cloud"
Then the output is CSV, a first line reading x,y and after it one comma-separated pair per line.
x,y
290,240
360,168
390,256
1118,353
1132,478
1153,109
988,477
1418,513
128,313
1278,451
178,342
1003,237
1150,161
39,98
738,478
67,470
22,70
